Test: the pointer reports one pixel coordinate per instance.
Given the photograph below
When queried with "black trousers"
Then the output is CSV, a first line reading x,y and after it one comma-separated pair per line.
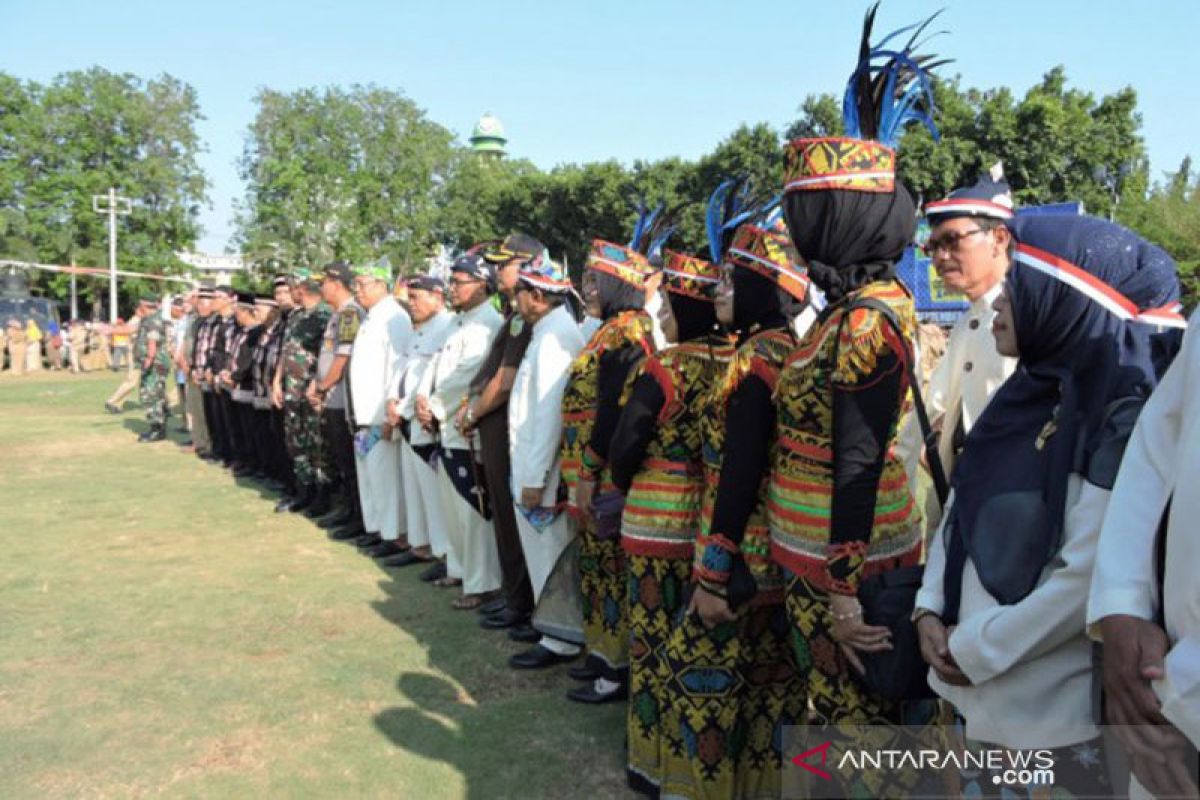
x,y
514,574
247,438
336,430
226,423
218,424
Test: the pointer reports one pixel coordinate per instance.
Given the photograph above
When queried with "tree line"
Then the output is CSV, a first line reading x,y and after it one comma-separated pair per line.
x,y
362,173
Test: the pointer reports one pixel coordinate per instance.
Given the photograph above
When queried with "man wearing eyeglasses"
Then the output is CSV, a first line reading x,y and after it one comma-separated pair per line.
x,y
443,391
971,248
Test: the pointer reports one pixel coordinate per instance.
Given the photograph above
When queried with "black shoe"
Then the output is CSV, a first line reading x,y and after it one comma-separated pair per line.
x,y
345,534
588,694
112,408
284,504
524,633
368,540
435,572
155,434
503,619
405,559
320,505
304,498
493,607
583,672
384,549
336,519
538,657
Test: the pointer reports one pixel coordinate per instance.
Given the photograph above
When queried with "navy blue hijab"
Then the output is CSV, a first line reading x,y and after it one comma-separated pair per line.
x,y
1077,356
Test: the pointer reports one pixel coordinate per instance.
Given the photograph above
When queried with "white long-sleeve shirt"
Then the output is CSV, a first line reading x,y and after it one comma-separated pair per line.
x,y
1030,663
448,377
535,404
377,359
969,373
1163,453
426,340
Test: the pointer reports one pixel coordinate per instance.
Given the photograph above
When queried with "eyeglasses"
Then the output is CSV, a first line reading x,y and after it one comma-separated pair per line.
x,y
949,242
463,281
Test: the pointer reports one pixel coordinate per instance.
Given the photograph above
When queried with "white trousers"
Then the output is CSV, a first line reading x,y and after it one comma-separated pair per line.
x,y
542,550
422,502
471,538
380,490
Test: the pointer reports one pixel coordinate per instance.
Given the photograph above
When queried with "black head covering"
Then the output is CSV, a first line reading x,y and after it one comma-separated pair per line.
x,y
694,318
1076,358
850,238
756,303
616,295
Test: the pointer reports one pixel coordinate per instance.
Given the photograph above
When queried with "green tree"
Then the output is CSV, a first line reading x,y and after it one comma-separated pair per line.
x,y
85,131
341,173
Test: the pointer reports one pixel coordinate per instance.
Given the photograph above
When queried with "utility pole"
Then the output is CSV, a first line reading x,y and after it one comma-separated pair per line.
x,y
116,205
74,293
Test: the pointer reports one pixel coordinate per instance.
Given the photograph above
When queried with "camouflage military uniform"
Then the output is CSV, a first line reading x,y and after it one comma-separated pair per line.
x,y
152,389
302,425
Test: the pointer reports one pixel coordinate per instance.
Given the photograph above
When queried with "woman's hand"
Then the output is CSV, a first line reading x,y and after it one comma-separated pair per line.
x,y
585,491
934,638
712,608
852,634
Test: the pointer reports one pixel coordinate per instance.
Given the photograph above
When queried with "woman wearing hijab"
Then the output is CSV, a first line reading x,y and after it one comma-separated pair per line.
x,y
732,683
840,505
614,285
655,460
1001,612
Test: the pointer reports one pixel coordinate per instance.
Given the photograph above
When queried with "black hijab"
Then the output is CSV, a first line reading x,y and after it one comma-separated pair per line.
x,y
756,303
850,238
694,318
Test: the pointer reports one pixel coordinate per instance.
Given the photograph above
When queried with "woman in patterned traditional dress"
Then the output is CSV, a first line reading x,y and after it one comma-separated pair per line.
x,y
731,682
655,460
615,281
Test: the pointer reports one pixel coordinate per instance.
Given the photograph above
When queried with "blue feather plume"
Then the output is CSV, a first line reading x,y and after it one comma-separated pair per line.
x,y
731,204
891,87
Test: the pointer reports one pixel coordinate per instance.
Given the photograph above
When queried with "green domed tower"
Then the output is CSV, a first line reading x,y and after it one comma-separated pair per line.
x,y
487,139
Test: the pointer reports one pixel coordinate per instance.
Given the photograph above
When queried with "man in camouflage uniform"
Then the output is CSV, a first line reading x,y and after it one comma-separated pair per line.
x,y
327,395
297,366
151,352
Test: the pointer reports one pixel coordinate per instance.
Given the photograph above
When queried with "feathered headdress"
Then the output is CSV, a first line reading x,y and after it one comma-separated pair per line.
x,y
652,229
889,89
731,205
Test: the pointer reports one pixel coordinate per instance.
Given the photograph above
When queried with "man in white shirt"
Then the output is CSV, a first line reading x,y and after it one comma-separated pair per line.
x,y
971,370
443,391
375,364
1148,614
432,323
535,434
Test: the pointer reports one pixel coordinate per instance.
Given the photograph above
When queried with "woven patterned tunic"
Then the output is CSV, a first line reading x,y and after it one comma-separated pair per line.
x,y
842,350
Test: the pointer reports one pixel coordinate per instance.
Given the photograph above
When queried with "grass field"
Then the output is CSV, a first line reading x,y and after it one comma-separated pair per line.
x,y
164,633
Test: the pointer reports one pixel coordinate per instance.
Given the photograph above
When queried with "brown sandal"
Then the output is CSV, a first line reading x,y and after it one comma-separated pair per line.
x,y
469,602
447,582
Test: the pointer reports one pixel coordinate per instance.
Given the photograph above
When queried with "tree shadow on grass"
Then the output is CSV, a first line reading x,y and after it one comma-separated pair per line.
x,y
509,733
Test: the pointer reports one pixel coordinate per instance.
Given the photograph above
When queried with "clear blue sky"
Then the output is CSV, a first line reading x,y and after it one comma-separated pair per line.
x,y
583,81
